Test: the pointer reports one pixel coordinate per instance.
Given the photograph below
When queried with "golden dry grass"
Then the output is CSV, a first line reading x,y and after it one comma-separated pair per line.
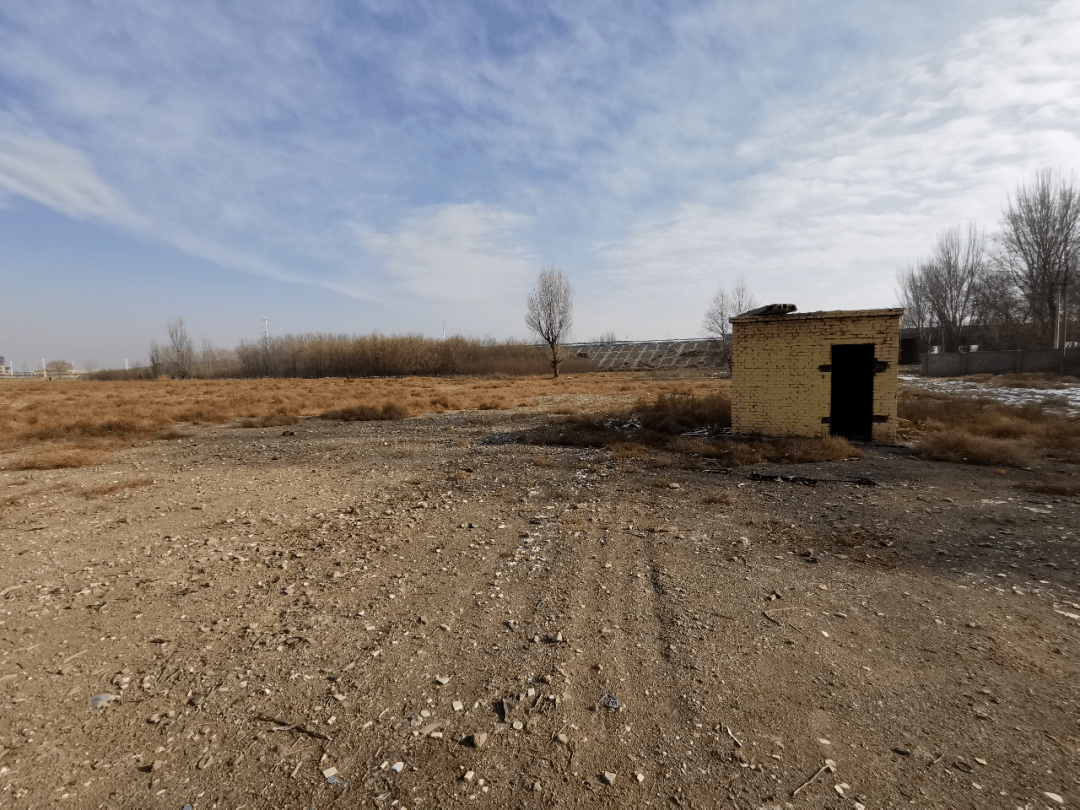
x,y
60,458
986,431
49,425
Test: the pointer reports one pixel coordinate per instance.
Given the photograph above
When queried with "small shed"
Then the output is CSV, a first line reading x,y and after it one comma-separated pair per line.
x,y
815,373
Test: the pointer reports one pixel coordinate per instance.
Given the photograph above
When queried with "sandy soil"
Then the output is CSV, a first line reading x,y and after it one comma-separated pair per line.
x,y
338,616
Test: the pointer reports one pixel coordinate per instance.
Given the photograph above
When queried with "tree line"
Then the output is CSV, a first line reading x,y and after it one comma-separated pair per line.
x,y
1011,289
340,355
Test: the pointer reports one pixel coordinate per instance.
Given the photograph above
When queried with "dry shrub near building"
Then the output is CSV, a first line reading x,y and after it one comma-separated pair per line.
x,y
987,431
659,425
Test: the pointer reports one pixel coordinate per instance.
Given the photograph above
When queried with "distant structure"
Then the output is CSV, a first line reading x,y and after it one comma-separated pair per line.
x,y
815,373
5,370
636,355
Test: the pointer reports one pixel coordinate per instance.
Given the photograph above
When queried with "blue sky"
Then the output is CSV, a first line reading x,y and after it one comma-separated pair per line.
x,y
383,165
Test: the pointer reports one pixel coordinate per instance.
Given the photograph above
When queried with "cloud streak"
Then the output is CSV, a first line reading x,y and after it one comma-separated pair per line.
x,y
433,154
60,178
861,181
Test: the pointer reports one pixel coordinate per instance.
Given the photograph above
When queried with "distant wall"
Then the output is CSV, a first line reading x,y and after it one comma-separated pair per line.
x,y
957,364
694,353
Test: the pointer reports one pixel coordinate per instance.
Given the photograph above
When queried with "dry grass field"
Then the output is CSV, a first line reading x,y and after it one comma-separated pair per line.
x,y
51,425
983,430
54,425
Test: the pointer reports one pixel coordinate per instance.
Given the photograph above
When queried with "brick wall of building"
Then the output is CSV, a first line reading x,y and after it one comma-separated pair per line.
x,y
777,386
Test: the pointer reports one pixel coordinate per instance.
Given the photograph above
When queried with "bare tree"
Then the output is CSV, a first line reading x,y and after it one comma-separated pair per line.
x,y
56,369
1039,246
949,282
156,360
912,295
1000,312
549,313
181,350
725,305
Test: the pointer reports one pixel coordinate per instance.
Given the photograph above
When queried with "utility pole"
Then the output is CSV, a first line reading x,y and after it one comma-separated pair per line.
x,y
266,329
444,330
1057,321
1063,302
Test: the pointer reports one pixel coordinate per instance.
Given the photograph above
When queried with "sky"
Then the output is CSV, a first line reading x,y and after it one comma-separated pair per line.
x,y
409,166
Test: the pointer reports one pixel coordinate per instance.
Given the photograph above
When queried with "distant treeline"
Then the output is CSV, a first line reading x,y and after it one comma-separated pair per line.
x,y
388,356
375,355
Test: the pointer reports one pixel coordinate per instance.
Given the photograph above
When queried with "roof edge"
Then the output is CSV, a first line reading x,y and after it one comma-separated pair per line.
x,y
894,312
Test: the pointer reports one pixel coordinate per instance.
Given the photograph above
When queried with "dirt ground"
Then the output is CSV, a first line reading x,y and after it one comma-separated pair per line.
x,y
335,615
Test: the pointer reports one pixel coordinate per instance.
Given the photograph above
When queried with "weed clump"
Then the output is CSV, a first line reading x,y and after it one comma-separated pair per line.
x,y
59,458
966,448
986,431
684,424
269,420
678,412
366,413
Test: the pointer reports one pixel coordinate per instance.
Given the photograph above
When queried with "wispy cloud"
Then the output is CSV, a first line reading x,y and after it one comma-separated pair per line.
x,y
58,177
397,150
453,253
861,180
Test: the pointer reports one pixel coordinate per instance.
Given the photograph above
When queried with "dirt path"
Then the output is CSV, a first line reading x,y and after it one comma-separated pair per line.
x,y
373,598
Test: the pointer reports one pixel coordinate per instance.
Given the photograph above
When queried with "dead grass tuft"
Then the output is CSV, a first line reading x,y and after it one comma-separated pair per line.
x,y
366,413
720,498
652,433
59,458
986,431
269,420
1067,489
810,451
173,433
116,486
625,451
961,446
681,411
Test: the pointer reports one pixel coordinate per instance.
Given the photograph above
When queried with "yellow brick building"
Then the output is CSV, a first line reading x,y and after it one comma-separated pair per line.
x,y
816,373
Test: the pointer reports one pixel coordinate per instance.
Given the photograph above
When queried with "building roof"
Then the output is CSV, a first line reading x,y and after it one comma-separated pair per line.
x,y
747,317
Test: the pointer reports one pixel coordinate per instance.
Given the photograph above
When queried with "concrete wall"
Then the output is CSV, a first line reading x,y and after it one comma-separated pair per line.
x,y
693,353
957,364
777,386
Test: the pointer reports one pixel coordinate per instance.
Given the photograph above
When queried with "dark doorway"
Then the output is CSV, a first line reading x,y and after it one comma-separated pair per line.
x,y
851,413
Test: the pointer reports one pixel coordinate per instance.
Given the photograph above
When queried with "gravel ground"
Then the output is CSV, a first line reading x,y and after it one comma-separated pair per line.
x,y
428,613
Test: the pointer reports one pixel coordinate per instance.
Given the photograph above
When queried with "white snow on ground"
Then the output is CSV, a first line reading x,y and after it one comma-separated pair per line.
x,y
1068,399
